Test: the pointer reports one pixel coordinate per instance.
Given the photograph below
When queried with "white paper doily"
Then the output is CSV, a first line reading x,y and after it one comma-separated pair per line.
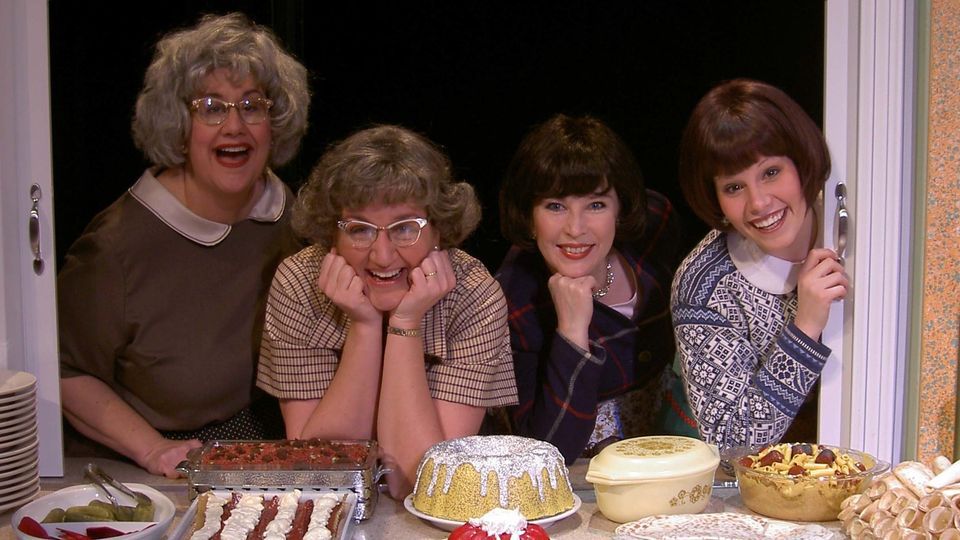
x,y
721,526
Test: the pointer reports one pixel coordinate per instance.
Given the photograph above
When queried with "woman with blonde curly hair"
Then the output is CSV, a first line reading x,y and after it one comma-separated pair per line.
x,y
159,299
383,329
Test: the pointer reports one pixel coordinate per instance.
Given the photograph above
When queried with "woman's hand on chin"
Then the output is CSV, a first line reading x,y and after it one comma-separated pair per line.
x,y
822,281
573,300
429,282
341,284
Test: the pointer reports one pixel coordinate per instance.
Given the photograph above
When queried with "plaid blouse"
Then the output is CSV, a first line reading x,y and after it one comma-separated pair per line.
x,y
466,341
559,384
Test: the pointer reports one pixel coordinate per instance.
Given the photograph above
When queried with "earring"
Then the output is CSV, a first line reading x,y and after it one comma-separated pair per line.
x,y
724,221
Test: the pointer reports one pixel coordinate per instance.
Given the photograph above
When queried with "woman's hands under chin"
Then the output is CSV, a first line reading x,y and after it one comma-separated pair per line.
x,y
822,281
344,288
429,282
573,300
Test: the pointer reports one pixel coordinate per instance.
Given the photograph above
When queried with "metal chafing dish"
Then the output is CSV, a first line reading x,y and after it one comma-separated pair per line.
x,y
359,477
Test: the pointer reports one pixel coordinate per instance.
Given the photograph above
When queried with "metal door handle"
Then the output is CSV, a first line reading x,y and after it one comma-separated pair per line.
x,y
842,218
34,228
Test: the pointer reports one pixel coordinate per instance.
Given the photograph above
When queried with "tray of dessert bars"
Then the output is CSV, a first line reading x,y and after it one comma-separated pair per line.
x,y
284,464
262,514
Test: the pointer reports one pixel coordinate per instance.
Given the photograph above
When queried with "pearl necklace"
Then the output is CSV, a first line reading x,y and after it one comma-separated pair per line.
x,y
602,291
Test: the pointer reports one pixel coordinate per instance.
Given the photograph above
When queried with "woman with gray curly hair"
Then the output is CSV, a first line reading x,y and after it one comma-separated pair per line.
x,y
383,329
161,298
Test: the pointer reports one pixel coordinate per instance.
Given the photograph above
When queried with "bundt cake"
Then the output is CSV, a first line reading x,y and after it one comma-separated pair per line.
x,y
464,478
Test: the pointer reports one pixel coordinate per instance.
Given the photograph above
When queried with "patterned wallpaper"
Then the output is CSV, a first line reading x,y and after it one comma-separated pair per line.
x,y
941,272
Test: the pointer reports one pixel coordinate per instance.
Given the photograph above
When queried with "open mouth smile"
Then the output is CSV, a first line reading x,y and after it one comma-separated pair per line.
x,y
771,221
233,155
577,251
384,277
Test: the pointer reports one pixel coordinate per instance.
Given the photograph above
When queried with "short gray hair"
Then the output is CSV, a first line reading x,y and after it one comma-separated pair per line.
x,y
388,165
181,62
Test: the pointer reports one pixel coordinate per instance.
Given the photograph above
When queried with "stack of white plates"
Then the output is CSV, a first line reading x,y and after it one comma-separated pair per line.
x,y
19,457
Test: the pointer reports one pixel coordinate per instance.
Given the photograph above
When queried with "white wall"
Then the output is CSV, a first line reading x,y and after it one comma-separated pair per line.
x,y
28,320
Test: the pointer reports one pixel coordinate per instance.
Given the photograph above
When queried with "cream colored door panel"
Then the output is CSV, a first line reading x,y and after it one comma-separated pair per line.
x,y
28,324
868,116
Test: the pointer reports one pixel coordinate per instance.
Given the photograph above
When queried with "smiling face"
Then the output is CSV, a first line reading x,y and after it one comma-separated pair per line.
x,y
575,233
765,203
383,267
225,161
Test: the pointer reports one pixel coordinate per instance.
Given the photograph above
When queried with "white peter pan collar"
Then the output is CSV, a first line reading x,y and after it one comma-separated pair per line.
x,y
772,274
163,204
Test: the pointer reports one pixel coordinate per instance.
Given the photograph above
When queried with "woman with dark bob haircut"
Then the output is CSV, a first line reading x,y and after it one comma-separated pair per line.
x,y
586,284
751,300
383,329
161,298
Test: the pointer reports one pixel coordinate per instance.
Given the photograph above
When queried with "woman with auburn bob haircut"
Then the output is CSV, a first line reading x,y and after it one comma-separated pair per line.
x,y
383,329
586,283
751,300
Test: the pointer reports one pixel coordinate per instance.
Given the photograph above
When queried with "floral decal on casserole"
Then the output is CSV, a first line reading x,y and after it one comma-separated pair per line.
x,y
694,495
655,447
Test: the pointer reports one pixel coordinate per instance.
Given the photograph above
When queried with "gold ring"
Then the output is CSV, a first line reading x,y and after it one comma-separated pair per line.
x,y
430,274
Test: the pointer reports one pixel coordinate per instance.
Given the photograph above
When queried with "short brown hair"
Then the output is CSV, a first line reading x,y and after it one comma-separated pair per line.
x,y
735,124
571,156
389,165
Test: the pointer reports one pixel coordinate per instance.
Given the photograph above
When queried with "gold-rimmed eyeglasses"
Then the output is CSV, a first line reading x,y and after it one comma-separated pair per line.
x,y
403,233
213,111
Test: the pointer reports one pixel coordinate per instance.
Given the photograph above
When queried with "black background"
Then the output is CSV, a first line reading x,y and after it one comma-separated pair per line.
x,y
472,76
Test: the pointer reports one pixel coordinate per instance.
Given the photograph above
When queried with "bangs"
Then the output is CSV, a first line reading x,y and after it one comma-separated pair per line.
x,y
384,186
574,185
239,67
374,195
582,171
741,141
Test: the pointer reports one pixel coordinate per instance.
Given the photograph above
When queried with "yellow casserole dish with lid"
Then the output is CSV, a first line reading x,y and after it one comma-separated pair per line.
x,y
645,476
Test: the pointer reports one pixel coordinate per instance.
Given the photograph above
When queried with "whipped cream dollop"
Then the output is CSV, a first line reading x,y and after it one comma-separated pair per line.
x,y
281,524
211,518
502,521
323,506
243,518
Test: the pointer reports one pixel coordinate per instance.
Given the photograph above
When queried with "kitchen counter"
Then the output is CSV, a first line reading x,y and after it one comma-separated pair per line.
x,y
390,518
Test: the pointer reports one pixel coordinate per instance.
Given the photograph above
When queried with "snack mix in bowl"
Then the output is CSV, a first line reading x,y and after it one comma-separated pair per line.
x,y
801,481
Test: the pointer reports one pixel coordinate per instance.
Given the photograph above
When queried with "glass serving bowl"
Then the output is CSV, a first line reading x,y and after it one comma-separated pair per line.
x,y
800,497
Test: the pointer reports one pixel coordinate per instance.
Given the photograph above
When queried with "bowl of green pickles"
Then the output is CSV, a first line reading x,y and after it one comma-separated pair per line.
x,y
82,512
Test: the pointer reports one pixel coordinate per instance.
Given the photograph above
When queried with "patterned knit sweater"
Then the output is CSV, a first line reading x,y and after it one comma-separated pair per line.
x,y
746,367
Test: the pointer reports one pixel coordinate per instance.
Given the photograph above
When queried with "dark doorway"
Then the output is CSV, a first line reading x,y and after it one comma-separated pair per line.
x,y
472,76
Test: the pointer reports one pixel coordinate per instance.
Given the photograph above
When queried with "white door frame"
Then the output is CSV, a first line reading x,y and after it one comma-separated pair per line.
x,y
868,121
28,319
868,109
